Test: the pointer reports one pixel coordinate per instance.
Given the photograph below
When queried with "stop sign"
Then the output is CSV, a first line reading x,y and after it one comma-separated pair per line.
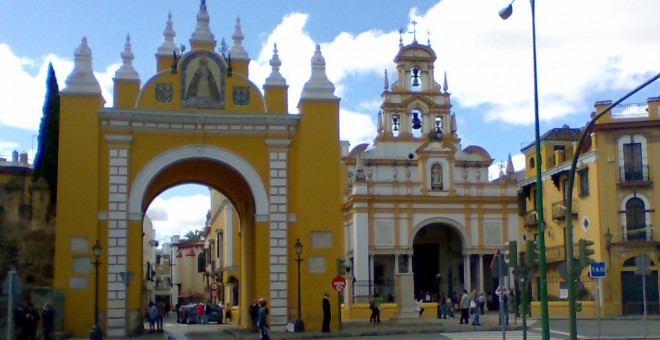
x,y
339,283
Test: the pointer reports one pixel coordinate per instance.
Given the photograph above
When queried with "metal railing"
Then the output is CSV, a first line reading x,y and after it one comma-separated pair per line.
x,y
630,111
634,173
559,210
639,232
363,290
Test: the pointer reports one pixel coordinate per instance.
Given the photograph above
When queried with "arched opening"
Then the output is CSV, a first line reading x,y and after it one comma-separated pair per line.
x,y
216,252
635,220
437,260
632,295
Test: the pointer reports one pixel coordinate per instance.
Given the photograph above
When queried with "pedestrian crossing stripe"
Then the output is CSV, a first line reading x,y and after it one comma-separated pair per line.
x,y
493,335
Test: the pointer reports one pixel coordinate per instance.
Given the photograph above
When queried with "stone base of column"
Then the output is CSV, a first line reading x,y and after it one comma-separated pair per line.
x,y
405,296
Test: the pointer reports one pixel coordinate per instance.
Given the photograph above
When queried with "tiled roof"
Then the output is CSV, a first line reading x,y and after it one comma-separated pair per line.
x,y
563,134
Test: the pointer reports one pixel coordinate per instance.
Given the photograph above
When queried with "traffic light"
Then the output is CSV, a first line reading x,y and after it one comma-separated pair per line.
x,y
531,254
342,267
511,254
585,252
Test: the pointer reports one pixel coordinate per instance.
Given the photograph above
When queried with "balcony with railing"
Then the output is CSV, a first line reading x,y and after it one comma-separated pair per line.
x,y
559,211
531,219
637,233
637,176
630,111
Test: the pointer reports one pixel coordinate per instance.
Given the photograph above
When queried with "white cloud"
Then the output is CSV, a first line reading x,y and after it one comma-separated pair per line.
x,y
23,86
178,215
6,148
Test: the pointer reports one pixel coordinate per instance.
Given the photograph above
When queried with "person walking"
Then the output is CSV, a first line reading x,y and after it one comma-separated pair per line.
x,y
31,322
505,304
464,306
152,315
419,307
47,322
254,314
262,322
228,312
474,309
199,310
378,301
481,302
326,313
160,305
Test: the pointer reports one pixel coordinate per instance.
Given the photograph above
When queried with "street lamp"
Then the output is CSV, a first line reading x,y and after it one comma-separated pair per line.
x,y
299,325
545,327
608,239
96,332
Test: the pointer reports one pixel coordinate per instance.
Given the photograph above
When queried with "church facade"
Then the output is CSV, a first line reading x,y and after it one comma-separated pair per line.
x,y
198,119
420,214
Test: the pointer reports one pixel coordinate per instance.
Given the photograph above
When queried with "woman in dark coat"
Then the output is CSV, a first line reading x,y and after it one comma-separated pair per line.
x,y
326,313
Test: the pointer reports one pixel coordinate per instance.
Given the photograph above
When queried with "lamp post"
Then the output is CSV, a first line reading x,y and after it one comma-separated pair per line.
x,y
299,325
545,327
96,332
570,263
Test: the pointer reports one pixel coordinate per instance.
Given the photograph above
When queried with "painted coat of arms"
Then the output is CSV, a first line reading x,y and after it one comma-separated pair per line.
x,y
241,95
164,92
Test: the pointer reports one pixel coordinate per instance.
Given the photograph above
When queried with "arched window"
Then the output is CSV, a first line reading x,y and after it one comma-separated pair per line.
x,y
201,262
635,219
531,162
415,79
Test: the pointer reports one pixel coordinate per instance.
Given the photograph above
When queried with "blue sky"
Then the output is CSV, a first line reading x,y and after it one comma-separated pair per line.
x,y
587,50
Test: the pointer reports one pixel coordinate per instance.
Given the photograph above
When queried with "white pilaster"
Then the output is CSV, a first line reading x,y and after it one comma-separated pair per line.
x,y
480,275
117,232
467,277
278,245
360,240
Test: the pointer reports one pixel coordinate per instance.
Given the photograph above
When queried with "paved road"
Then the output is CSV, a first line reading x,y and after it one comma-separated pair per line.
x,y
628,328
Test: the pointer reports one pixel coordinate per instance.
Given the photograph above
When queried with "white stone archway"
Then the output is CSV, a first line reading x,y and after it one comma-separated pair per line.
x,y
164,160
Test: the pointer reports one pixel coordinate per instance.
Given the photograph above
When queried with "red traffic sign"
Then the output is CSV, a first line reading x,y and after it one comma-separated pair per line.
x,y
339,283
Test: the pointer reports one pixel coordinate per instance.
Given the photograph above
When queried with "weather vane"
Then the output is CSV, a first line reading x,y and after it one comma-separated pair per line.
x,y
428,38
223,48
401,30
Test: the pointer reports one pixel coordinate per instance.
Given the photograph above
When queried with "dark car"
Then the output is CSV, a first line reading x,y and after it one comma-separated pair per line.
x,y
189,315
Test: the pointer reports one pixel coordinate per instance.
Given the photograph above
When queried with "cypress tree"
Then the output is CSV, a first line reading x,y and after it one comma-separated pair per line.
x,y
45,163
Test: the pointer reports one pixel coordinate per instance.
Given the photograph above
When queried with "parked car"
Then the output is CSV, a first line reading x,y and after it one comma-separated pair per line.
x,y
189,314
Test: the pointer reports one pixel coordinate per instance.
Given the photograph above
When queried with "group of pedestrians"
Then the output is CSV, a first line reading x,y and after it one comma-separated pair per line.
x,y
26,321
155,313
258,311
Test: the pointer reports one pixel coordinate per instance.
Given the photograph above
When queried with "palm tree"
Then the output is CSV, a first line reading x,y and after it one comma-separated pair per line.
x,y
192,236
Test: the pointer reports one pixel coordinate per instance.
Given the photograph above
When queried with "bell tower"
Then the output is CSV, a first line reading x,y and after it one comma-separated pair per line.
x,y
415,107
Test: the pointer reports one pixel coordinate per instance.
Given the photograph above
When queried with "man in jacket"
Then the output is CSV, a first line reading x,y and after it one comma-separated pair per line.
x,y
326,313
465,307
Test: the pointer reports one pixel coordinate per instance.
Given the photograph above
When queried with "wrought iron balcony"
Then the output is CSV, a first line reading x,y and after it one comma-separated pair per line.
x,y
531,219
637,233
559,211
634,175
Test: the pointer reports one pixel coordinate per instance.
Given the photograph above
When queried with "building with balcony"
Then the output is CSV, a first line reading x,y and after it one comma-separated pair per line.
x,y
613,204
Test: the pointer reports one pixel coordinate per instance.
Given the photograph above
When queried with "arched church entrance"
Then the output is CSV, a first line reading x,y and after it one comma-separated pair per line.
x,y
438,260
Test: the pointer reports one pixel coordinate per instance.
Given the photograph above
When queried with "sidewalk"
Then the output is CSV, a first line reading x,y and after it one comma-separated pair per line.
x,y
359,328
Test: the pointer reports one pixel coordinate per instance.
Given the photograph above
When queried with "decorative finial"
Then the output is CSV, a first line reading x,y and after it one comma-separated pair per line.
x,y
275,77
445,87
318,86
202,32
509,166
82,79
401,30
126,71
387,82
237,50
428,38
168,45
